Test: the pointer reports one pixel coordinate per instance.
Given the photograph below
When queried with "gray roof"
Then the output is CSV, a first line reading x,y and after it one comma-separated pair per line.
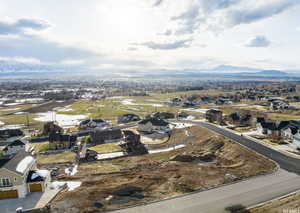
x,y
155,122
13,163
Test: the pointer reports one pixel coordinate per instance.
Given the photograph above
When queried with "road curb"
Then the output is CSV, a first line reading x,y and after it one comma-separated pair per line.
x,y
277,165
269,201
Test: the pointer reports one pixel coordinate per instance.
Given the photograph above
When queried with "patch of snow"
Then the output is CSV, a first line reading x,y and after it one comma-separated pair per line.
x,y
155,105
131,103
40,173
166,149
30,100
254,132
182,125
61,119
70,184
73,185
115,97
1,123
23,164
240,105
63,109
72,170
128,102
19,113
12,104
190,117
110,155
13,126
196,110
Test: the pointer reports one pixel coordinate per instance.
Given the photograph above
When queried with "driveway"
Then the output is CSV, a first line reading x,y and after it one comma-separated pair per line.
x,y
32,200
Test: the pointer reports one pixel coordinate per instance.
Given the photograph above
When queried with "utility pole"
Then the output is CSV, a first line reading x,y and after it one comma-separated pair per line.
x,y
27,119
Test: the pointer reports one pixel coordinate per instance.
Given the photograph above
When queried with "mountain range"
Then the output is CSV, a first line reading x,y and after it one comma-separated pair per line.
x,y
223,71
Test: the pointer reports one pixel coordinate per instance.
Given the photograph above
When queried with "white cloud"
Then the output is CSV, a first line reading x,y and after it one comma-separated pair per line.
x,y
258,41
21,25
185,43
137,34
72,62
21,60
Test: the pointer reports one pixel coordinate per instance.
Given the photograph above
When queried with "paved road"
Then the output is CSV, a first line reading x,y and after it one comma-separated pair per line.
x,y
285,162
246,193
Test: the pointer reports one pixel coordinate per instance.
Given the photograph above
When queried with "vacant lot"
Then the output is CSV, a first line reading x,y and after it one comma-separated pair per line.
x,y
206,161
52,159
106,148
48,106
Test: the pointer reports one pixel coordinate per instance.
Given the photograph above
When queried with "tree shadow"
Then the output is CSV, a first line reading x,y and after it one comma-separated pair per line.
x,y
238,208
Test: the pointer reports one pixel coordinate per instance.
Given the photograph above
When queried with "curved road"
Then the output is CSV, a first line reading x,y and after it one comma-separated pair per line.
x,y
285,162
246,193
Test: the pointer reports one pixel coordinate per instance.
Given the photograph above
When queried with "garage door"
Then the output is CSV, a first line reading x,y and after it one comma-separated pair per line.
x,y
8,194
35,187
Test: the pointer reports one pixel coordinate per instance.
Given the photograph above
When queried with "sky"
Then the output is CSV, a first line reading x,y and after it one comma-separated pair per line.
x,y
151,34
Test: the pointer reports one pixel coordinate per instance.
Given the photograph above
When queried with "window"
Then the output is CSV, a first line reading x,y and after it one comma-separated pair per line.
x,y
4,182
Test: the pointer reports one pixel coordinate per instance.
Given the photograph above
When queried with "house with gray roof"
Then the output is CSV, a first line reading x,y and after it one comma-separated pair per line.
x,y
20,176
153,125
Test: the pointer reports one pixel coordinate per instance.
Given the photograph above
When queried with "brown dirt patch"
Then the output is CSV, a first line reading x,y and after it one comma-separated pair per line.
x,y
159,176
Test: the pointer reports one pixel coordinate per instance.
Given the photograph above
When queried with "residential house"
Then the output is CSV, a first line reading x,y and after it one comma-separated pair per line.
x,y
51,127
214,115
163,115
291,130
20,176
61,141
176,101
127,118
279,105
223,101
183,115
296,140
15,147
10,135
273,129
239,119
188,104
93,123
153,125
132,144
106,136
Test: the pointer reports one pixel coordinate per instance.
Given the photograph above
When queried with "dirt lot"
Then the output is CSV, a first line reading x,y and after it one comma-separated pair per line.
x,y
206,161
287,204
47,106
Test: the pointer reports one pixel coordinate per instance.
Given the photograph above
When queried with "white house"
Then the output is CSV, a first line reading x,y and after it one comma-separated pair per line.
x,y
296,141
19,176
